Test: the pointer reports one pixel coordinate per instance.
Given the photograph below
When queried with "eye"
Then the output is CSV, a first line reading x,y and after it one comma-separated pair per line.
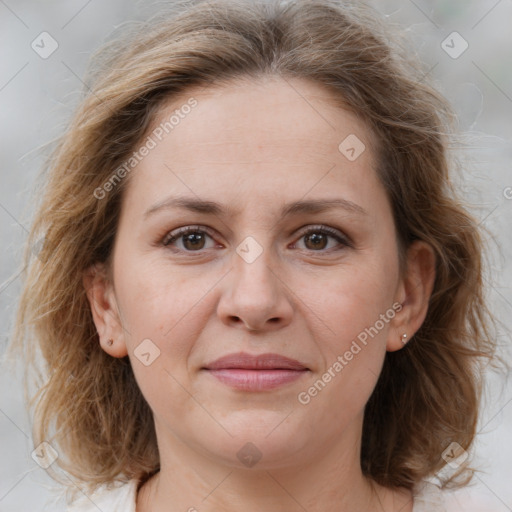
x,y
193,238
316,238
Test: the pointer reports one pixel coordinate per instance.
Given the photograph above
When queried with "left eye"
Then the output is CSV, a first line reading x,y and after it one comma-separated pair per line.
x,y
317,238
193,238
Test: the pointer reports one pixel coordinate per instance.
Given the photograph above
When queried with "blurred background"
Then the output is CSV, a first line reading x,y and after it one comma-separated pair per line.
x,y
466,49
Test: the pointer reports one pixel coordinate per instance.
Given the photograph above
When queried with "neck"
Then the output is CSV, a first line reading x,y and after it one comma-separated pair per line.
x,y
329,481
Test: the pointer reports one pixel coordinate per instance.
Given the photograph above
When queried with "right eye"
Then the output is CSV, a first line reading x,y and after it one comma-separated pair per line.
x,y
192,237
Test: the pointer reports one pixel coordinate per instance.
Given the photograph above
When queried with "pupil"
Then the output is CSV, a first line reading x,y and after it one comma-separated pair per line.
x,y
193,238
316,238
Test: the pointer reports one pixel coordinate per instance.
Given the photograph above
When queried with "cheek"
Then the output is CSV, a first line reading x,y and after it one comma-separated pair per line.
x,y
354,346
146,302
157,307
358,309
160,304
358,296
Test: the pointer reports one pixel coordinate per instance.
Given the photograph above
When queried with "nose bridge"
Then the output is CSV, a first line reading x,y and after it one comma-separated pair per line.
x,y
253,268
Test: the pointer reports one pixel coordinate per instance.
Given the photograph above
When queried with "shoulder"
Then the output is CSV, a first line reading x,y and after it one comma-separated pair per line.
x,y
428,497
119,497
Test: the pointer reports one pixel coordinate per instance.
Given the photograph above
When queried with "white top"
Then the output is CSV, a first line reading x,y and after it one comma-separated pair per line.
x,y
122,498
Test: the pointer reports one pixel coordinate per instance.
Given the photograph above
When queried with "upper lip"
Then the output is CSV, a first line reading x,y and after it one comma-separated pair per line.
x,y
268,361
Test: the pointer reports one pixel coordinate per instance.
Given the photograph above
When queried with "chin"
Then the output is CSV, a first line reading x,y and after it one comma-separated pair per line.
x,y
260,440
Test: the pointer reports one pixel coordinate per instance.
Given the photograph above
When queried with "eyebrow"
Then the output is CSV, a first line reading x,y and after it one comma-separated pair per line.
x,y
311,206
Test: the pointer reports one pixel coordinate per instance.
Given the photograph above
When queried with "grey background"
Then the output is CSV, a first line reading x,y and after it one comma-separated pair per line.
x,y
38,95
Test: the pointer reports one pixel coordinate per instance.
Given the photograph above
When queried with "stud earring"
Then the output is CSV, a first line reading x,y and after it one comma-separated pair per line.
x,y
109,342
404,338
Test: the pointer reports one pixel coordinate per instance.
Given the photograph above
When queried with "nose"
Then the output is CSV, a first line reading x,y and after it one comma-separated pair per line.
x,y
255,296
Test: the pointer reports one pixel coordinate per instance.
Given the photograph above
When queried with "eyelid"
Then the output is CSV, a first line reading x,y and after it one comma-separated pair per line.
x,y
333,232
176,234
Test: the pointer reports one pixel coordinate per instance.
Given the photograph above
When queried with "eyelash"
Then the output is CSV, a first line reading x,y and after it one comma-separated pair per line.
x,y
326,230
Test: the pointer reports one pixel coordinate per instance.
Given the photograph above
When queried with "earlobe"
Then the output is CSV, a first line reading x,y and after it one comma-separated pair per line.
x,y
397,343
104,310
115,348
416,289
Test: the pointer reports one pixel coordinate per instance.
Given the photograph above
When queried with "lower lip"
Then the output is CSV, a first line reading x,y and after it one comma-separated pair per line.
x,y
256,380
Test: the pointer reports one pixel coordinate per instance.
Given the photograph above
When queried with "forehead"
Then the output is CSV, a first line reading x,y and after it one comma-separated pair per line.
x,y
306,109
271,135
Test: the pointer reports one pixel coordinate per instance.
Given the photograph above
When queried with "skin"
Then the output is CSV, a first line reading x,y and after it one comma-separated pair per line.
x,y
254,146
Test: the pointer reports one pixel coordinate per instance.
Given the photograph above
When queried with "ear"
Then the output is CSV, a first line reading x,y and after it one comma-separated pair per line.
x,y
105,313
414,292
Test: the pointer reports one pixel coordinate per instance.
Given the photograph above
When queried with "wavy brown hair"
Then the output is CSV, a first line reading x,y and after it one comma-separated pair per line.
x,y
87,403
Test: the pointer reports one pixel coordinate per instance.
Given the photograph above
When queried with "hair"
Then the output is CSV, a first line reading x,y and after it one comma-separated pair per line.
x,y
88,404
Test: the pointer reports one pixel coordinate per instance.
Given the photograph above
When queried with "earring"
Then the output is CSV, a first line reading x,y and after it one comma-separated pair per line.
x,y
109,342
404,338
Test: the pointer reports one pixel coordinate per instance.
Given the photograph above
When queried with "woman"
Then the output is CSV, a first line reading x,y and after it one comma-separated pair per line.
x,y
257,287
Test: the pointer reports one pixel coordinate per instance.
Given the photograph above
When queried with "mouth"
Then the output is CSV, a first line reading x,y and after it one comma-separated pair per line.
x,y
256,373
243,361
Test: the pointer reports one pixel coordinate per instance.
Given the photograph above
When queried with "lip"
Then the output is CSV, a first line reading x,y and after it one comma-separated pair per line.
x,y
244,361
256,372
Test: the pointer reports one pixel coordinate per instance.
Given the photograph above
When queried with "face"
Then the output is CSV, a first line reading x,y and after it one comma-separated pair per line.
x,y
290,250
